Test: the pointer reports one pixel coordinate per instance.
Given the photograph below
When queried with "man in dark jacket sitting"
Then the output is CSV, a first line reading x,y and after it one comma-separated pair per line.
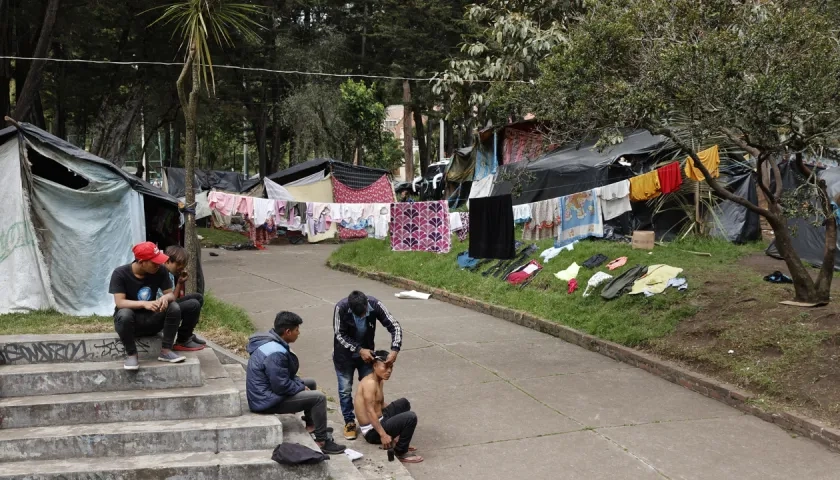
x,y
273,385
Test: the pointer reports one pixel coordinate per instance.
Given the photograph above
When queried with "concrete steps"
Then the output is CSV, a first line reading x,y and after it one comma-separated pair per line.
x,y
66,378
88,347
214,435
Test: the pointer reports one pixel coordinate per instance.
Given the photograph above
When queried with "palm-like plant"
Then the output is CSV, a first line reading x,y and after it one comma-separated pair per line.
x,y
198,23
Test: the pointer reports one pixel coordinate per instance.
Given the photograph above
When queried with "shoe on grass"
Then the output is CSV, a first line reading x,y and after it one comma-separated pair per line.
x,y
132,363
171,357
331,448
350,430
189,346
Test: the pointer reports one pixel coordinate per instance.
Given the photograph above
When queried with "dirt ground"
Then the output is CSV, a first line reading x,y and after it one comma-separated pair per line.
x,y
741,334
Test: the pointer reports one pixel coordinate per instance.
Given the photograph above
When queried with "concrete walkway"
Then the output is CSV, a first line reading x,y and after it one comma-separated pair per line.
x,y
500,401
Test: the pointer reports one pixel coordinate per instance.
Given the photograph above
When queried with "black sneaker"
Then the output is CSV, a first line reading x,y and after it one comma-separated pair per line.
x,y
332,448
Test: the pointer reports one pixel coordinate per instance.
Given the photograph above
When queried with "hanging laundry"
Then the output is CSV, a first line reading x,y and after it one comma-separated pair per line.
x,y
710,158
655,280
595,261
620,284
455,221
381,219
280,217
644,187
552,252
465,226
595,280
379,191
573,285
275,191
580,217
544,221
617,263
491,227
615,199
221,202
319,218
568,273
485,162
244,205
522,213
483,188
356,216
263,209
421,226
524,274
670,177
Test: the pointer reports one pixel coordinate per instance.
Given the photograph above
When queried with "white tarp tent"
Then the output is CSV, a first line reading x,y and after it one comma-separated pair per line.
x,y
88,215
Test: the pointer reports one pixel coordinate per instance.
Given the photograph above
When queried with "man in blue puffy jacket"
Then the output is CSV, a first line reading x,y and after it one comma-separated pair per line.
x,y
272,383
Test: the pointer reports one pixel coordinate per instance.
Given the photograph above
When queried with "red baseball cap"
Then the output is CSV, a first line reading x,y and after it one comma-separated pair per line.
x,y
149,251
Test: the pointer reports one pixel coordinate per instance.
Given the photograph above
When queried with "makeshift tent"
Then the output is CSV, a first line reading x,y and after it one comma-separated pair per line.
x,y
730,220
321,192
354,176
70,219
174,181
572,169
808,240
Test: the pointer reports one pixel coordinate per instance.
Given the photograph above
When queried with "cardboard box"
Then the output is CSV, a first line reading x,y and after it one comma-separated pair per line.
x,y
643,240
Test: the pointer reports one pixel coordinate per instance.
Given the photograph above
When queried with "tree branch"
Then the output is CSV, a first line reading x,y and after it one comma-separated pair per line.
x,y
182,78
32,84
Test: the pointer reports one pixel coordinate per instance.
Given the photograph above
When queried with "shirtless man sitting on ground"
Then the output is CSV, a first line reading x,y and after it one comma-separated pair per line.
x,y
392,426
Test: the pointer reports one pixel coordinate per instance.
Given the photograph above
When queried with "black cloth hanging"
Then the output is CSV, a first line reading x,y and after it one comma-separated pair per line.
x,y
491,227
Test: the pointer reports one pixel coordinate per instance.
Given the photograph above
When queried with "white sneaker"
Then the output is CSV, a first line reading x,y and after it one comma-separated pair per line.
x,y
132,363
171,357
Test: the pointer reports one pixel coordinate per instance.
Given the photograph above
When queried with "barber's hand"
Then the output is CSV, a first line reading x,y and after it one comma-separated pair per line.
x,y
386,441
392,357
366,355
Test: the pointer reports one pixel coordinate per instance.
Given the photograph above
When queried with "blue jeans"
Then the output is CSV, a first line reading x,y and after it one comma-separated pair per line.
x,y
344,371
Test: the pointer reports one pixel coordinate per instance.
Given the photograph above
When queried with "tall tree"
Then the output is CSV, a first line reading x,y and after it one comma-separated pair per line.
x,y
28,96
758,74
200,22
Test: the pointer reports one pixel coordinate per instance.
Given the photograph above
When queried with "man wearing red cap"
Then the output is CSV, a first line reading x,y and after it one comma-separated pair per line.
x,y
138,313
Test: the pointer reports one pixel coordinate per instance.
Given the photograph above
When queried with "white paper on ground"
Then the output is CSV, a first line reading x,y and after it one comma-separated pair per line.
x,y
352,454
413,294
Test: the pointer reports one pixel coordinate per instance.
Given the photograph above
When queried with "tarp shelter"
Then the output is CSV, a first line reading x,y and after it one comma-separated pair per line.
x,y
174,181
573,168
70,218
354,176
808,240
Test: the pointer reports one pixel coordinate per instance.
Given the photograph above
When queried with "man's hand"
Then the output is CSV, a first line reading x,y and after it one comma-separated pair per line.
x,y
163,303
392,357
386,441
366,355
305,387
151,306
183,277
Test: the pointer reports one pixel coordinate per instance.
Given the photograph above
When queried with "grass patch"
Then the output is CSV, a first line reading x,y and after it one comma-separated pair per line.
x,y
213,237
221,322
629,320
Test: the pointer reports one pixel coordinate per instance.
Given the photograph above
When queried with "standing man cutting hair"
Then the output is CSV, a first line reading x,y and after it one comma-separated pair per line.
x,y
354,325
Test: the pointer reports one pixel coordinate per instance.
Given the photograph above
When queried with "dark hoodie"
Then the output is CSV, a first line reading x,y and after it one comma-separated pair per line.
x,y
272,371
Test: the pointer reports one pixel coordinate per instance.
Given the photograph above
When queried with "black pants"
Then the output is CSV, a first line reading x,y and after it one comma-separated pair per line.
x,y
178,319
398,421
312,403
191,306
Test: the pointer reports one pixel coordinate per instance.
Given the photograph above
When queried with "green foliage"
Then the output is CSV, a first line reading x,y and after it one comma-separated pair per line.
x,y
363,116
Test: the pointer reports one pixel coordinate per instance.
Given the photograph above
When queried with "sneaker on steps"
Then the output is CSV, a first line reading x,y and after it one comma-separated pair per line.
x,y
196,339
331,448
350,431
171,357
132,363
189,346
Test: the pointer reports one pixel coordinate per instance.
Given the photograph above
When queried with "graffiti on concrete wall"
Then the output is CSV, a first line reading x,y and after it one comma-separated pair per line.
x,y
68,351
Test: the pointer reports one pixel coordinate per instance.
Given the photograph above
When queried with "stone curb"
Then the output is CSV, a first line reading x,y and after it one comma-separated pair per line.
x,y
728,394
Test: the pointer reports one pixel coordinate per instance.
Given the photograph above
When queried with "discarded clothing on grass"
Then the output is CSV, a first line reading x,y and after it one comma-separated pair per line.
x,y
678,283
617,263
522,213
466,261
580,217
569,273
573,285
545,219
670,177
552,252
778,277
622,283
420,226
491,227
710,158
615,199
595,261
524,273
644,187
656,279
595,281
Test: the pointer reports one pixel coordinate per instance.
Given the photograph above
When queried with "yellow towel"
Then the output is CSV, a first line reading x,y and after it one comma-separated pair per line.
x,y
644,187
656,280
710,158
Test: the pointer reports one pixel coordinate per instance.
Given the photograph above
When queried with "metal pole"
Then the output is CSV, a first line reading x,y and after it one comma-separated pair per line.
x,y
442,135
143,143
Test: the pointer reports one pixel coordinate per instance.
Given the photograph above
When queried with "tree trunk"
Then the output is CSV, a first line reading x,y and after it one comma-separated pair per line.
x,y
166,152
27,96
178,130
407,135
190,107
5,63
450,138
430,147
421,138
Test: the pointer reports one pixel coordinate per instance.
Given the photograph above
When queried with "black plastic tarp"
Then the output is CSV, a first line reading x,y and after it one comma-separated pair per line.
x,y
735,222
207,180
353,176
572,168
300,170
808,240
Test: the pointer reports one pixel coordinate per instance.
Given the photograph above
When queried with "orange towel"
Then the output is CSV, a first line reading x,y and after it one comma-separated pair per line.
x,y
710,158
644,187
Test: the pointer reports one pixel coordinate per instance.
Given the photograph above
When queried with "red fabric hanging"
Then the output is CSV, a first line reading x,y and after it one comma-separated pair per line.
x,y
670,177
